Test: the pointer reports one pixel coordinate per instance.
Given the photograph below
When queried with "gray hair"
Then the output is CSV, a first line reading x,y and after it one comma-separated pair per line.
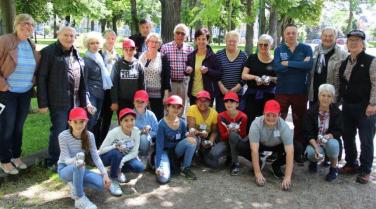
x,y
183,27
267,38
92,36
22,18
234,34
331,29
109,32
64,28
151,35
328,88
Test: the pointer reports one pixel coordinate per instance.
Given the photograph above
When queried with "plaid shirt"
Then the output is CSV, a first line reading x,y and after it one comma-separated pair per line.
x,y
177,58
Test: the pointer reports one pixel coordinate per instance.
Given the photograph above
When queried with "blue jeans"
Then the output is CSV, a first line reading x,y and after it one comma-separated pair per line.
x,y
145,141
354,119
80,178
59,123
183,148
113,158
12,121
331,150
97,103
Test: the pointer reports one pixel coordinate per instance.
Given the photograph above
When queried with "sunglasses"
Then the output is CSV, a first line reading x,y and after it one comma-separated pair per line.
x,y
180,33
263,45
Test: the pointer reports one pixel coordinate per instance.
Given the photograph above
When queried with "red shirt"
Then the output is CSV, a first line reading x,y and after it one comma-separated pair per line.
x,y
224,120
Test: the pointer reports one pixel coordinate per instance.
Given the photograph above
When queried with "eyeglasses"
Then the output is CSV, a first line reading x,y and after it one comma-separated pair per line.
x,y
263,45
29,24
180,33
92,43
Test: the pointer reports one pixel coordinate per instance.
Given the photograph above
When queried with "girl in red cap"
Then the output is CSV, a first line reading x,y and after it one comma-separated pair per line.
x,y
77,146
172,144
120,150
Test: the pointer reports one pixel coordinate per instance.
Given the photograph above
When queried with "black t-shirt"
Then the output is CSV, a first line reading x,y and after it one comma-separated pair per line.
x,y
259,68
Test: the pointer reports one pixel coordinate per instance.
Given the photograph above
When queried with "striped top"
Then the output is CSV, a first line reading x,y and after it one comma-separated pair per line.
x,y
21,80
232,71
70,146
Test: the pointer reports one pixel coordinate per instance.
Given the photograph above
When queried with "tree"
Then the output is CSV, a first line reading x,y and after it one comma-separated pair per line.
x,y
250,9
170,18
8,13
134,25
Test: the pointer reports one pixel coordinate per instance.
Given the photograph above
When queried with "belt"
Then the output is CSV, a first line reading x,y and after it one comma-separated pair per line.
x,y
177,81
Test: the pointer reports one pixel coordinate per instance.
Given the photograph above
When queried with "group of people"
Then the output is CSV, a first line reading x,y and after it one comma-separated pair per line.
x,y
149,85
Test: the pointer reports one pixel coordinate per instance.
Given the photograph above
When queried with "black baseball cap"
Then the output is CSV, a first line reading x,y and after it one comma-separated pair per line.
x,y
357,33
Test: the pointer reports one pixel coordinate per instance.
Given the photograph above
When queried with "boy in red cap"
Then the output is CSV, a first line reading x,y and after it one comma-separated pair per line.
x,y
232,125
271,133
128,77
120,150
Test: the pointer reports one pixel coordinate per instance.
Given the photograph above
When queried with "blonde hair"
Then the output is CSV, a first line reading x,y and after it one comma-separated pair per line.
x,y
153,35
234,34
92,36
22,18
109,32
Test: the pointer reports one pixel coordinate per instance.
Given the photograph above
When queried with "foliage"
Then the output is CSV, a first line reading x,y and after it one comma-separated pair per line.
x,y
40,10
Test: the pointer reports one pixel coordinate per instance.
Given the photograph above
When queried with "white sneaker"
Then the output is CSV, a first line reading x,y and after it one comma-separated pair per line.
x,y
84,203
115,188
121,178
72,194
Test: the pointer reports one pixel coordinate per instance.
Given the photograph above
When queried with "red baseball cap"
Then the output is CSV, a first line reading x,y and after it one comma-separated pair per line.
x,y
126,111
272,106
141,95
78,113
174,100
230,95
128,43
203,94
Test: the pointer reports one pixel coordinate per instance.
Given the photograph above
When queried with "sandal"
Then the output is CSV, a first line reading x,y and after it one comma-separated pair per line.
x,y
21,165
12,171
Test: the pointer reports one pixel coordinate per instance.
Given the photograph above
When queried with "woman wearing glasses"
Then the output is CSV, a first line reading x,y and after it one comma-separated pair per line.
x,y
260,77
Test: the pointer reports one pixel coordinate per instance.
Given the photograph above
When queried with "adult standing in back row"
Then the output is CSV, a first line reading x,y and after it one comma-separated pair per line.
x,y
292,63
145,26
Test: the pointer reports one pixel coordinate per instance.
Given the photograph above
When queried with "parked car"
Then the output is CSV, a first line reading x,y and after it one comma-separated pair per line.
x,y
341,41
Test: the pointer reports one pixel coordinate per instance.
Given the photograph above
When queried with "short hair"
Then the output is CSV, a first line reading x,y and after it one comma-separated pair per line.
x,y
64,28
202,31
183,27
109,32
333,30
290,25
22,18
267,38
151,35
234,34
328,88
144,21
90,36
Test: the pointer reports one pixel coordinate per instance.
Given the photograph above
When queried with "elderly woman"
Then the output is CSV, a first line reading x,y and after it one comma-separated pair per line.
x,y
232,61
327,59
202,67
157,74
96,75
260,77
358,90
110,57
61,86
18,61
323,129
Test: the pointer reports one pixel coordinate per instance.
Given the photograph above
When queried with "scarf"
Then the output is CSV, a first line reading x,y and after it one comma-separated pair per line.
x,y
323,122
320,61
106,78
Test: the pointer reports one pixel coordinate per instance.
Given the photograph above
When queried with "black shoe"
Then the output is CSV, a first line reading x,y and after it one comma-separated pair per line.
x,y
235,169
332,175
50,164
277,172
272,157
299,160
312,167
187,173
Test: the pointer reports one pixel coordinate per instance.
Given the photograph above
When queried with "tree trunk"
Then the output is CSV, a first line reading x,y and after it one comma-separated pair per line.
x,y
273,25
170,18
249,29
134,25
229,17
8,13
67,20
103,25
55,26
351,16
114,20
262,18
92,25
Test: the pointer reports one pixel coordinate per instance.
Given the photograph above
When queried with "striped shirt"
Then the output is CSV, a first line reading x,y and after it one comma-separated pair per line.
x,y
70,146
177,56
21,80
232,71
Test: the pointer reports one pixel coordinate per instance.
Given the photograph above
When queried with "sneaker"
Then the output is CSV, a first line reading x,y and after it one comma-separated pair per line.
x,y
18,163
271,158
84,203
262,162
235,169
312,167
349,169
12,171
363,178
277,172
72,194
187,173
121,178
332,175
115,188
325,163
